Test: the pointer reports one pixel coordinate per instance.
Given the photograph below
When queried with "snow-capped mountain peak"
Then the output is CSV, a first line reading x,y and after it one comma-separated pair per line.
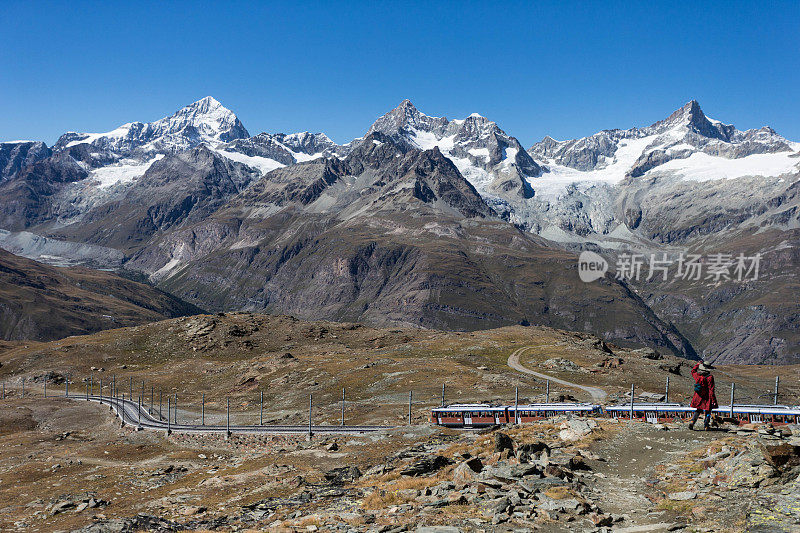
x,y
484,154
692,119
204,121
683,133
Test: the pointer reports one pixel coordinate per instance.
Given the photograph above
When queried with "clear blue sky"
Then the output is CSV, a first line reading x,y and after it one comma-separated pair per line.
x,y
537,68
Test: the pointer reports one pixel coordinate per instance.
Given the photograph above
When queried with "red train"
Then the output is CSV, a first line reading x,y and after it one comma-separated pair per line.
x,y
483,415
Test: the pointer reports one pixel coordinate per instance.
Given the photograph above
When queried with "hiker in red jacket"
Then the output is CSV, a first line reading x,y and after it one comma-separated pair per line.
x,y
704,398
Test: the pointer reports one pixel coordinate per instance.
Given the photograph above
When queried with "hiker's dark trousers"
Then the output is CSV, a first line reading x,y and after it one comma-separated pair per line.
x,y
706,421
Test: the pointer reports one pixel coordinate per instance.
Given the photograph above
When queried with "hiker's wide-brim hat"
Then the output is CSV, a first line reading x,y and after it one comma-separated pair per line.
x,y
705,366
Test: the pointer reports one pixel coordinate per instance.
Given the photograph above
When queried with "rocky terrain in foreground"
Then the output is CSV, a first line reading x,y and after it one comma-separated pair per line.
x,y
68,465
562,474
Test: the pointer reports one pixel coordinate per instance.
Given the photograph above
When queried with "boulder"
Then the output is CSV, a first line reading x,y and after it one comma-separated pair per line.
x,y
576,429
558,505
649,353
671,368
426,465
780,454
502,442
532,451
682,496
342,475
601,520
60,507
467,472
509,473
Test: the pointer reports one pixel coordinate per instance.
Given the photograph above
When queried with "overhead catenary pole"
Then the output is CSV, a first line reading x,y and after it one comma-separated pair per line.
x,y
442,394
261,410
310,404
160,394
547,392
45,385
342,406
169,426
139,411
516,405
203,410
633,391
131,394
66,389
175,417
228,417
666,392
152,397
91,384
733,396
775,401
410,400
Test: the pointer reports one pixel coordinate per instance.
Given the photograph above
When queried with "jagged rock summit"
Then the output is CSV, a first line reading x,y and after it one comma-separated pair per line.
x,y
635,151
493,161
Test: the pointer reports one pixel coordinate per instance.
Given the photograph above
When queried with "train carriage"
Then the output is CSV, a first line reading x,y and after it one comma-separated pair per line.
x,y
541,411
741,414
483,415
470,415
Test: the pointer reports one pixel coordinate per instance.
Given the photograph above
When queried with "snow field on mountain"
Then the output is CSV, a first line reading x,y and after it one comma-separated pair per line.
x,y
263,164
703,167
124,172
551,185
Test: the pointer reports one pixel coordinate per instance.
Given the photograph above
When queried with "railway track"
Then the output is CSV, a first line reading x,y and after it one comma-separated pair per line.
x,y
138,417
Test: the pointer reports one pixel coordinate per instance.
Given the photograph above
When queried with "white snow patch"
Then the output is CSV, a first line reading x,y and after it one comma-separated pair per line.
x,y
263,164
125,171
479,152
703,167
552,185
425,140
120,132
478,177
301,157
163,271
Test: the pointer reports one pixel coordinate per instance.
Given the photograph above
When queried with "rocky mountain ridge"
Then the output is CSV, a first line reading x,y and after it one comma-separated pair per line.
x,y
158,197
204,121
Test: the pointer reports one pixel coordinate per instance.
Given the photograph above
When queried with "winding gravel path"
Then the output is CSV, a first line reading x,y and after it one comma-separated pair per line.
x,y
598,395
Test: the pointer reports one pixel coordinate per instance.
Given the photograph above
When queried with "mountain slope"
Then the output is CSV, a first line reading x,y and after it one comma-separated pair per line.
x,y
178,189
17,155
40,302
389,235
